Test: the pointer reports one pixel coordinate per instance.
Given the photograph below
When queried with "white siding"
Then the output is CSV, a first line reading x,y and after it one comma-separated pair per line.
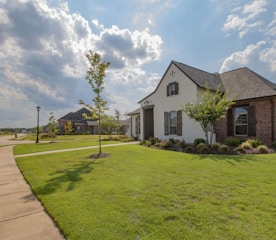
x,y
163,103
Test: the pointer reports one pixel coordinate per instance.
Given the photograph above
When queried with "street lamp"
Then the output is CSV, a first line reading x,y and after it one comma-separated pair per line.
x,y
37,130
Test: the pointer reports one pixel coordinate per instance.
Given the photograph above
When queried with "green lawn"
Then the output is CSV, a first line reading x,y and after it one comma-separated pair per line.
x,y
42,147
143,193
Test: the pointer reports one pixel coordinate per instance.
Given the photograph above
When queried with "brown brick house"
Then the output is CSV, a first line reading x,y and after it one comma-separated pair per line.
x,y
253,115
80,125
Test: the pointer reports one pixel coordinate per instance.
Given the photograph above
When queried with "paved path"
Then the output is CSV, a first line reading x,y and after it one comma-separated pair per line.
x,y
22,217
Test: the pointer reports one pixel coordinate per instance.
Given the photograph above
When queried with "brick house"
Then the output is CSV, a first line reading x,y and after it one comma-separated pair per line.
x,y
80,125
252,116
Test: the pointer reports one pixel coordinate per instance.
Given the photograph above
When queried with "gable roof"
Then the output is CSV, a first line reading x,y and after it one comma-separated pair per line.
x,y
200,77
76,116
243,84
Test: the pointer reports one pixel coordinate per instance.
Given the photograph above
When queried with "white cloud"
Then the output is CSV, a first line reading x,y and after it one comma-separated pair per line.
x,y
42,56
268,55
242,58
245,18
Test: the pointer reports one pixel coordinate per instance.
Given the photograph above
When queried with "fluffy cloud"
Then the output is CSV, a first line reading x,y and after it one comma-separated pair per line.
x,y
259,55
242,58
245,18
42,52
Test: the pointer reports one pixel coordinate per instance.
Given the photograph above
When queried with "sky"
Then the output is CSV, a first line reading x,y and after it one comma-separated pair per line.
x,y
43,45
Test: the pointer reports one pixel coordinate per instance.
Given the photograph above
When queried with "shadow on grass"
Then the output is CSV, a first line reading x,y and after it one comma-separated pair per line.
x,y
70,176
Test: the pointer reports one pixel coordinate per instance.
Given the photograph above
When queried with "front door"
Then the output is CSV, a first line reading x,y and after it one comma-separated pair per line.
x,y
148,123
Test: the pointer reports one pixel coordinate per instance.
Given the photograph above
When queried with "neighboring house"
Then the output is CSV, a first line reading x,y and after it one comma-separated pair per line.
x,y
253,114
82,125
134,124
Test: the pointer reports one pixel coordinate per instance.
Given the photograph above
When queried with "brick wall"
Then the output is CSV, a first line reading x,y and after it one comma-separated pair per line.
x,y
263,122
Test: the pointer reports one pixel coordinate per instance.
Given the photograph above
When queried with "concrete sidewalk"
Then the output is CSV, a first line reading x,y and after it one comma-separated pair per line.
x,y
22,217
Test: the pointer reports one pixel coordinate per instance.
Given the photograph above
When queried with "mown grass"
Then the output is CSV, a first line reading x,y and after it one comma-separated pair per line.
x,y
143,193
75,141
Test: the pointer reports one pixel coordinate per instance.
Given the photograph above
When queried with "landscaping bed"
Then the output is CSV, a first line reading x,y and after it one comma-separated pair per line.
x,y
232,146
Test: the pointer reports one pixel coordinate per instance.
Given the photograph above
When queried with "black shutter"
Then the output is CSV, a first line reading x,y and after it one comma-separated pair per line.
x,y
168,90
166,123
230,123
179,123
251,121
176,88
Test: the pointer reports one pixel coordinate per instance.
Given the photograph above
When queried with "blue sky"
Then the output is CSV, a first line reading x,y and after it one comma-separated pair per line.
x,y
43,45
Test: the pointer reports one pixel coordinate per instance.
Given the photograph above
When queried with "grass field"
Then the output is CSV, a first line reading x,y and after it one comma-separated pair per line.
x,y
143,193
61,142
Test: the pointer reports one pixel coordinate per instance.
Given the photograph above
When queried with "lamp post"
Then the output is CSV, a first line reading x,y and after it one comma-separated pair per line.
x,y
37,130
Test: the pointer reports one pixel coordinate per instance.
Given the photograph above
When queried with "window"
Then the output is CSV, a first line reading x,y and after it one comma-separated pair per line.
x,y
137,125
241,120
172,122
172,89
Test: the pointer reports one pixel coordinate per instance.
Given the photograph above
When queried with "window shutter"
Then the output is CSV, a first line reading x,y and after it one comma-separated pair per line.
x,y
176,88
166,123
251,121
136,125
168,90
179,123
230,123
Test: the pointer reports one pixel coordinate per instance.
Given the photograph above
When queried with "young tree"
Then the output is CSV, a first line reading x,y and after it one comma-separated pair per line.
x,y
95,76
68,128
52,126
209,109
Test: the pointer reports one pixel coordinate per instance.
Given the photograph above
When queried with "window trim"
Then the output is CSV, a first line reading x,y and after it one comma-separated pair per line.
x,y
173,92
170,124
241,124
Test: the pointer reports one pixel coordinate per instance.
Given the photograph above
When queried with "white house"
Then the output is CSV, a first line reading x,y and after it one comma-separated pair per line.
x,y
160,112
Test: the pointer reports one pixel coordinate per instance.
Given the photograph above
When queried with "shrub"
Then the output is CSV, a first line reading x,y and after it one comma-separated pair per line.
x,y
189,149
181,144
246,145
224,148
199,140
164,144
255,142
262,149
128,139
172,141
202,148
273,145
240,149
154,140
233,142
215,146
148,143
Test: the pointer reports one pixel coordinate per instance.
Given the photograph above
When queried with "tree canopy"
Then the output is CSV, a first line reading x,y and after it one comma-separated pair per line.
x,y
95,76
209,109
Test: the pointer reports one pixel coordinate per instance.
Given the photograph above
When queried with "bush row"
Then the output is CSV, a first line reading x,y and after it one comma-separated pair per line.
x,y
231,146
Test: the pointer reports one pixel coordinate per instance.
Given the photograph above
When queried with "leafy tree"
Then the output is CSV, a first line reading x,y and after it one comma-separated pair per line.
x,y
95,76
209,109
68,128
52,126
111,124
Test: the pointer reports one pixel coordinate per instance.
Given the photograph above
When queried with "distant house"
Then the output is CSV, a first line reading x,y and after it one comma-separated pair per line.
x,y
252,116
81,125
